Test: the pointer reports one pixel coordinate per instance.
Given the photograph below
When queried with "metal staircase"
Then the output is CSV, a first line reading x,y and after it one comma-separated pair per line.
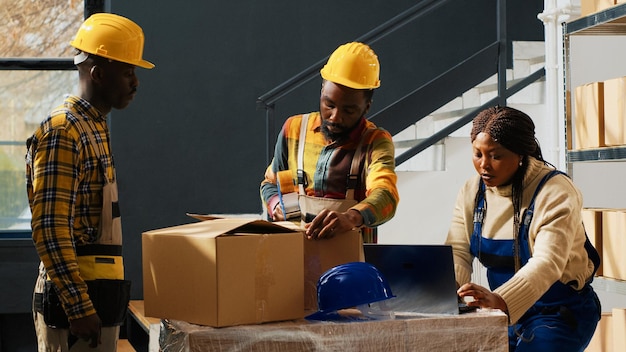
x,y
528,58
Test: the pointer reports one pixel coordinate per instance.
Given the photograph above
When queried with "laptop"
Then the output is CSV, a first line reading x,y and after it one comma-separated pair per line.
x,y
420,276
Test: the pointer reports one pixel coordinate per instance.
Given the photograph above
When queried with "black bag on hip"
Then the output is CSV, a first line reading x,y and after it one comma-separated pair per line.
x,y
110,298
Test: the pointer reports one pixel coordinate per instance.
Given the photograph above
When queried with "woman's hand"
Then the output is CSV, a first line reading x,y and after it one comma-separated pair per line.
x,y
483,297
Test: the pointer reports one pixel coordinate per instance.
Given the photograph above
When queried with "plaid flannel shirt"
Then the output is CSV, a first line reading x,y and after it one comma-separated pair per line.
x,y
64,185
327,165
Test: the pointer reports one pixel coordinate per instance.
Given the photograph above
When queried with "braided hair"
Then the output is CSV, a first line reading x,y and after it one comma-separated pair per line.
x,y
515,131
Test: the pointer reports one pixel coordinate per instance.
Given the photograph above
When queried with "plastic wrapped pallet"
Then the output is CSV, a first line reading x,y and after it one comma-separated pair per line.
x,y
480,331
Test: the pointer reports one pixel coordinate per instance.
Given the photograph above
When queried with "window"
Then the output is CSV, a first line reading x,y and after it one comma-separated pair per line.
x,y
36,70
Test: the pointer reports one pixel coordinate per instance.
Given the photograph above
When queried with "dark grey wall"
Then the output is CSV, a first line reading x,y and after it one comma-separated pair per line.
x,y
193,139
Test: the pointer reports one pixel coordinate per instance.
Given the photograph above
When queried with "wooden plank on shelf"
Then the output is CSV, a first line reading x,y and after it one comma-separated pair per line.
x,y
124,346
136,308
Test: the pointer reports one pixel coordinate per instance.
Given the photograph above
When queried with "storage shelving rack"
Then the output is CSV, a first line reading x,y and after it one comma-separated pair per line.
x,y
609,22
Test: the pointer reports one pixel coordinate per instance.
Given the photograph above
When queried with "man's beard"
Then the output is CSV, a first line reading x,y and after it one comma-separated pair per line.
x,y
337,136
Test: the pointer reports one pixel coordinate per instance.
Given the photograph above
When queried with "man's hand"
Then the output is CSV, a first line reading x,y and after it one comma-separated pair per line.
x,y
277,214
328,223
87,328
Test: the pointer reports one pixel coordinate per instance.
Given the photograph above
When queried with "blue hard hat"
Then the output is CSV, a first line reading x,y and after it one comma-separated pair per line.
x,y
350,285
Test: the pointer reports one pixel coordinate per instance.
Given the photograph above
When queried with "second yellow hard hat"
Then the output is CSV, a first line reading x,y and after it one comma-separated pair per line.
x,y
353,65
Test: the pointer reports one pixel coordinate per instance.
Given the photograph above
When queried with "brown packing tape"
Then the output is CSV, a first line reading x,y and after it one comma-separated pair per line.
x,y
285,182
263,277
274,296
313,269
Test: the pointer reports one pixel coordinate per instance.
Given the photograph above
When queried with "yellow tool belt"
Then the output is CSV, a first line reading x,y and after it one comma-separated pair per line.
x,y
102,269
100,261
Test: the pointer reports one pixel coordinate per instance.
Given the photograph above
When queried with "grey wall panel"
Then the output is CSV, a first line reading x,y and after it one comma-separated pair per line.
x,y
18,270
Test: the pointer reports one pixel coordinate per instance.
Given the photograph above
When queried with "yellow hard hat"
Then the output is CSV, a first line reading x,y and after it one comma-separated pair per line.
x,y
353,65
113,37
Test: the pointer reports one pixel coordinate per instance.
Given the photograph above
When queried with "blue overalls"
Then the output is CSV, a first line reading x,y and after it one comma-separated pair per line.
x,y
563,319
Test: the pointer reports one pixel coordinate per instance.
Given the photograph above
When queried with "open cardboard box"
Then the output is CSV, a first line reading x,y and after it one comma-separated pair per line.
x,y
224,272
319,256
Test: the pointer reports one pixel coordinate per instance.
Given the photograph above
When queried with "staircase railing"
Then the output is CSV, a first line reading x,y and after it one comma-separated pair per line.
x,y
435,93
462,121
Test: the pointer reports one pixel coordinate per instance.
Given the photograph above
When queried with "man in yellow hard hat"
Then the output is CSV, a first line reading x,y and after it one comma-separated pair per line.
x,y
339,163
81,296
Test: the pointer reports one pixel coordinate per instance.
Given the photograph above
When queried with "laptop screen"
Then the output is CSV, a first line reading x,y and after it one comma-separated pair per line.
x,y
420,276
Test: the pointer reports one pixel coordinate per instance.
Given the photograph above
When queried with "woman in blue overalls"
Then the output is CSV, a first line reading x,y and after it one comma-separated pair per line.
x,y
522,219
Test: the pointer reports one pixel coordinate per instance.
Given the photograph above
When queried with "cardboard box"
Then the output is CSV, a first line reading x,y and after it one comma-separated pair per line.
x,y
589,118
602,340
321,255
592,219
615,111
619,329
224,272
604,4
588,7
614,244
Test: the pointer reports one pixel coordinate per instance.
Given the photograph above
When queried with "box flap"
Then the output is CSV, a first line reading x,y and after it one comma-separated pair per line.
x,y
290,225
220,226
204,217
260,226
